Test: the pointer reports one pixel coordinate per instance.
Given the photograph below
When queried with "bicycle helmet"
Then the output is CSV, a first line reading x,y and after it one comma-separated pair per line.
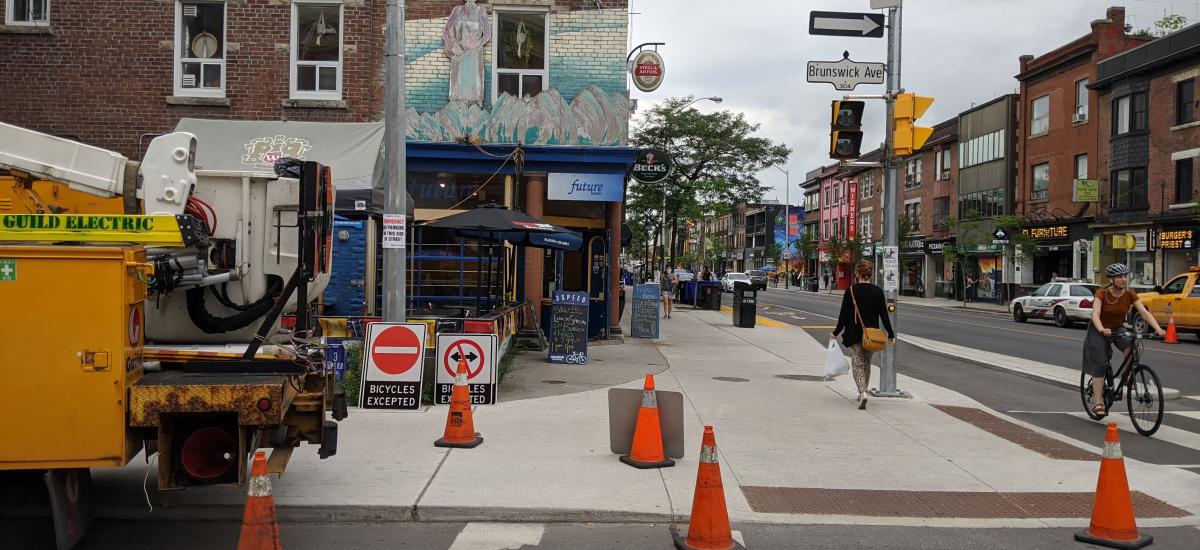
x,y
1116,270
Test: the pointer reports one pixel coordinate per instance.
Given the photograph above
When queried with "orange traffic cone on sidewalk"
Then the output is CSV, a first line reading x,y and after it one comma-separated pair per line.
x,y
647,451
1112,514
259,528
709,526
460,426
1171,337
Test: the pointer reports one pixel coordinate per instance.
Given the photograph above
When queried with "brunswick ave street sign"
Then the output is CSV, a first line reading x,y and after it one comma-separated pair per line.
x,y
845,74
838,23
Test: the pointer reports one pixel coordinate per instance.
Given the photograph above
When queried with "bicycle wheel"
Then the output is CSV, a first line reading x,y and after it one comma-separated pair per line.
x,y
1085,393
1145,400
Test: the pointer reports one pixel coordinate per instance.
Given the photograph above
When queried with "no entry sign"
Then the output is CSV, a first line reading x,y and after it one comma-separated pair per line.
x,y
393,355
479,351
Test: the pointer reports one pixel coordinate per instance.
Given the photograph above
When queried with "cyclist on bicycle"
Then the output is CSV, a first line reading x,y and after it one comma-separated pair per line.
x,y
1111,306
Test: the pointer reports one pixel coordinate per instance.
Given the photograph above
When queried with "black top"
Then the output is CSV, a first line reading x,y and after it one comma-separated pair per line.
x,y
872,307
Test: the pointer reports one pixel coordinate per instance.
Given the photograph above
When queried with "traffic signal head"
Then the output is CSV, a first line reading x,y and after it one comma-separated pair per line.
x,y
909,137
845,134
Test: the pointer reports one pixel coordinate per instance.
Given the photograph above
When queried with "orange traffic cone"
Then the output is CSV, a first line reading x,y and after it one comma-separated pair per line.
x,y
709,526
1112,514
1171,337
647,451
259,529
460,426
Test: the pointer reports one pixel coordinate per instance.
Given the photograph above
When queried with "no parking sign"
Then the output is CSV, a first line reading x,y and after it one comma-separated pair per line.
x,y
479,351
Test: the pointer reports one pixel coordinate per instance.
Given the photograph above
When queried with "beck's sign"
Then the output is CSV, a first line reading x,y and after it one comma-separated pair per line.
x,y
585,187
652,166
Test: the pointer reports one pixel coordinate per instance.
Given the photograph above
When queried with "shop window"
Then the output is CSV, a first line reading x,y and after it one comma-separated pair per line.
x,y
316,51
1129,188
27,12
200,49
1040,122
519,58
1183,181
1040,185
1185,101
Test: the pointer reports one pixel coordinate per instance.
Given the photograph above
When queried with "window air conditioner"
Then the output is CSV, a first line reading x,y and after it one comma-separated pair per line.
x,y
1079,117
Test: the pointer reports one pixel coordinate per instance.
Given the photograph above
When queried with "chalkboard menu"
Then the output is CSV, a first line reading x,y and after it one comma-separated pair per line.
x,y
569,327
644,323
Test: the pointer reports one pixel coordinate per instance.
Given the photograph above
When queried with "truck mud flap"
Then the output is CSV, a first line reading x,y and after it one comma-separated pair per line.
x,y
340,408
70,504
328,440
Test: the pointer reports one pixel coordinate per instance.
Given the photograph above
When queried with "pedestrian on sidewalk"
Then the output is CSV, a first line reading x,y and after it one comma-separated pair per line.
x,y
863,305
667,284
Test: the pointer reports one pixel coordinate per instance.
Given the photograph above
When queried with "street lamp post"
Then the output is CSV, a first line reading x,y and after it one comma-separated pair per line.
x,y
663,232
787,225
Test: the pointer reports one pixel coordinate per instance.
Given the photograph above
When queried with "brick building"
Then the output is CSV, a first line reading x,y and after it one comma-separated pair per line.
x,y
1058,145
1148,107
507,101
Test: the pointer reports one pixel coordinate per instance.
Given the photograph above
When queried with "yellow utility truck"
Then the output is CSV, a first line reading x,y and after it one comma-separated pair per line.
x,y
144,304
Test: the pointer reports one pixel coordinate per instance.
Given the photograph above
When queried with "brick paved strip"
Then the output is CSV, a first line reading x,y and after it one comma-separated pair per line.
x,y
1025,437
940,504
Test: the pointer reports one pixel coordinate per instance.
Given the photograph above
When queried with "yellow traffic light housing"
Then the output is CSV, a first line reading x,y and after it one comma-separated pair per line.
x,y
909,137
845,129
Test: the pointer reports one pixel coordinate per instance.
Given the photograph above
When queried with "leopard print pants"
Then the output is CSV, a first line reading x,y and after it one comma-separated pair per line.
x,y
860,366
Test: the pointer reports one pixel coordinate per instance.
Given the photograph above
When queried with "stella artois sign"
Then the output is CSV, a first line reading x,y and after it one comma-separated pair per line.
x,y
652,166
648,70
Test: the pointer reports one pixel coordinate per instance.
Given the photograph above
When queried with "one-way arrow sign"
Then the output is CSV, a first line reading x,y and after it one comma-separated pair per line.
x,y
839,23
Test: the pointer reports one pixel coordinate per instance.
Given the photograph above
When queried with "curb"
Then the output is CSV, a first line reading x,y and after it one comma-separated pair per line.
x,y
1169,394
382,514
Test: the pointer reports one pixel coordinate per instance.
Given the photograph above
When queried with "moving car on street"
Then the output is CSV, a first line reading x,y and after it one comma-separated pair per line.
x,y
758,278
1063,300
729,279
1179,297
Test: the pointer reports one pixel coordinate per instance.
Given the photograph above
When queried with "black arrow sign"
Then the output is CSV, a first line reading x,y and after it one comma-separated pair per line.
x,y
840,23
471,357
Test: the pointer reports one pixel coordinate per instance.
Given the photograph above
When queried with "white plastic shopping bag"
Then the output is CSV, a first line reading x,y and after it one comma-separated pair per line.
x,y
836,363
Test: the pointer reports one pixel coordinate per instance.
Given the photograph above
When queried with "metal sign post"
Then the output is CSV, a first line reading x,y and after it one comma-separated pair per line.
x,y
891,197
395,263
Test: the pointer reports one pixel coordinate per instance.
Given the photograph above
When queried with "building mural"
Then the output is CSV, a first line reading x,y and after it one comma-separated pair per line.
x,y
451,60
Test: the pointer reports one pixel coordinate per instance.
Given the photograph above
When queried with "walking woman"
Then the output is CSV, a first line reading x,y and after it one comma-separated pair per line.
x,y
1111,306
666,282
863,306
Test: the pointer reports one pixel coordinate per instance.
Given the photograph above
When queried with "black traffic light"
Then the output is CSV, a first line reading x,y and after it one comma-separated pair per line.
x,y
845,129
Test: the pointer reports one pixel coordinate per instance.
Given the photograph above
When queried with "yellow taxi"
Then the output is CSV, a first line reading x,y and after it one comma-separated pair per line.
x,y
1180,297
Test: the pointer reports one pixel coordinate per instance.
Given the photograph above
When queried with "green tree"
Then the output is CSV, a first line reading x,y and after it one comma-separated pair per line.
x,y
1167,25
838,249
714,252
974,238
716,157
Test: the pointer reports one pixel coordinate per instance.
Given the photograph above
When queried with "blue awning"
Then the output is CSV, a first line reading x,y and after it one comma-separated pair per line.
x,y
486,159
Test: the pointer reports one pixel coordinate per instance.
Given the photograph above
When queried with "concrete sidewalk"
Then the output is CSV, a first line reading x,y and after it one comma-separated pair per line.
x,y
791,451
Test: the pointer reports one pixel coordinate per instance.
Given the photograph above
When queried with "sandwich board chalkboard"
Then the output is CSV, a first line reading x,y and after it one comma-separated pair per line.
x,y
644,323
569,327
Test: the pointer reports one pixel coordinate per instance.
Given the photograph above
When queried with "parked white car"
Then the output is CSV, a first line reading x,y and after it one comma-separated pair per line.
x,y
1066,302
682,275
729,279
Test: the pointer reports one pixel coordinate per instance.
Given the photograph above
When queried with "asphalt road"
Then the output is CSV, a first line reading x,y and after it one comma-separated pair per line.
x,y
201,535
1040,403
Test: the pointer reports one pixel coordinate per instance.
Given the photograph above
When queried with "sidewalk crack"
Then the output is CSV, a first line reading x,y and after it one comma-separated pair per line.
x,y
417,503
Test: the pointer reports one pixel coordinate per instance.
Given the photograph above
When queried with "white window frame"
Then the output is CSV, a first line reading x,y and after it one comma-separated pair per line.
x,y
1123,111
864,230
1039,125
294,49
1081,108
180,91
544,72
1084,174
1044,193
10,17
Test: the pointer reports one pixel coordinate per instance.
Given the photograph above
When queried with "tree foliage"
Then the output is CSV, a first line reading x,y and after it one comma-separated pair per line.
x,y
716,157
1167,25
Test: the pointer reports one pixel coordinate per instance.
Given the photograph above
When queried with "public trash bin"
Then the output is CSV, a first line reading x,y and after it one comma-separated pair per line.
x,y
745,305
710,295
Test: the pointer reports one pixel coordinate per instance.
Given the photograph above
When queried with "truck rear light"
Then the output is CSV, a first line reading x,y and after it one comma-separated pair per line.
x,y
264,404
1085,304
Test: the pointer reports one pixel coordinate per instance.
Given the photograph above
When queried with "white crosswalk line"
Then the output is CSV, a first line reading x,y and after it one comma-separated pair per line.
x,y
498,536
737,536
1189,414
1166,433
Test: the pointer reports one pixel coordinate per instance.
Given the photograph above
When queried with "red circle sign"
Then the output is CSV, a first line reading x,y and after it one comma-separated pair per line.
x,y
396,350
460,347
134,330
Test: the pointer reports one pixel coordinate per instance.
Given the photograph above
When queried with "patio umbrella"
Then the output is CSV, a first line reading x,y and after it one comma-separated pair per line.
x,y
768,268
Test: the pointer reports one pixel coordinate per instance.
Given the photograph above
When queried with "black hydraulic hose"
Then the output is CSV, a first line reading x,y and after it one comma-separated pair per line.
x,y
210,324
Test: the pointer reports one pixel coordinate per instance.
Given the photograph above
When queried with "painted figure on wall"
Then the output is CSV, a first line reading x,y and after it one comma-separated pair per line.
x,y
466,33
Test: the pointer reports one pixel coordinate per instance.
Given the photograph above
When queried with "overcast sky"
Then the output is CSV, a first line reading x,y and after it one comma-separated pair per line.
x,y
753,53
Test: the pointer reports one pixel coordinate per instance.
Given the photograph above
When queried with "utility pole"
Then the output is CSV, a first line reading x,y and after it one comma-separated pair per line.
x,y
891,218
395,262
